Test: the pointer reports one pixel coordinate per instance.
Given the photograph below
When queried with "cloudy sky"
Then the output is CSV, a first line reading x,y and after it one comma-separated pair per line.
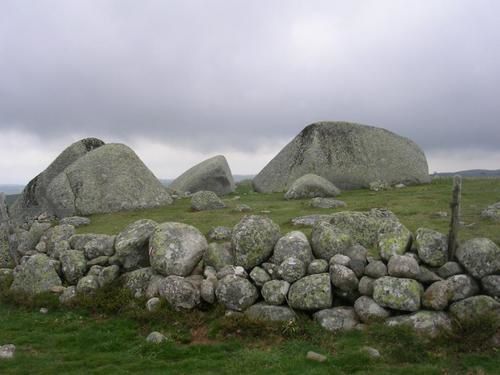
x,y
183,80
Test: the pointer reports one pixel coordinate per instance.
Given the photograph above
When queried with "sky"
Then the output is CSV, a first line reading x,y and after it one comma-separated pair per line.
x,y
180,81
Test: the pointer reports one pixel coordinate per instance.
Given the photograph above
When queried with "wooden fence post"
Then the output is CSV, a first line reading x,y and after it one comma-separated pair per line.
x,y
455,217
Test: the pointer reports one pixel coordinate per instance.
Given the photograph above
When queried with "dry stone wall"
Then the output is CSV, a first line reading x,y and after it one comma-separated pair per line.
x,y
358,268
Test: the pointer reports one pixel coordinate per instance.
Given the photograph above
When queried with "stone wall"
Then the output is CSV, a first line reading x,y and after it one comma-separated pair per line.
x,y
357,268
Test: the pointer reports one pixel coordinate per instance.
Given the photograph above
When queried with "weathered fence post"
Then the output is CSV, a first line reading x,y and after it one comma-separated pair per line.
x,y
455,217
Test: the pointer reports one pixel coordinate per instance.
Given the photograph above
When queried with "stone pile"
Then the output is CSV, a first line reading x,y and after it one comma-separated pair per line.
x,y
358,268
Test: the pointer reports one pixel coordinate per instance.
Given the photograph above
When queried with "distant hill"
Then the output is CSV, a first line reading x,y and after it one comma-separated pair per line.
x,y
470,173
11,189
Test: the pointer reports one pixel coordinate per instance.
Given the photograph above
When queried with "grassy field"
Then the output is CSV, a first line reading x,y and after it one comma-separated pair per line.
x,y
415,206
106,334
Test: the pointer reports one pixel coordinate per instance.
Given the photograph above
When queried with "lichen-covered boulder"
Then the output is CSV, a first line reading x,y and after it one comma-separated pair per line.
x,y
271,313
313,292
219,255
292,269
232,270
475,308
320,202
426,276
370,311
274,292
310,220
206,200
328,240
491,285
403,266
76,221
349,155
132,244
293,244
137,281
68,295
34,276
220,233
109,178
376,269
108,275
99,245
437,296
179,292
480,257
337,319
87,285
259,276
311,186
428,323
176,249
449,269
212,174
34,200
397,293
432,247
343,278
55,235
393,240
365,286
236,293
462,286
28,240
491,212
74,265
377,228
253,240
317,266
207,290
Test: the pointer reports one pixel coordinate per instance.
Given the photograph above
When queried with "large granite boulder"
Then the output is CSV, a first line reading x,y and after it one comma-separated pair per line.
x,y
253,240
480,257
35,275
311,186
132,244
110,178
34,200
475,308
176,249
212,174
346,154
328,240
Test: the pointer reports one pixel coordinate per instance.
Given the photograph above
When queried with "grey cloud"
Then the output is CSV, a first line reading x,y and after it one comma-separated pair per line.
x,y
237,74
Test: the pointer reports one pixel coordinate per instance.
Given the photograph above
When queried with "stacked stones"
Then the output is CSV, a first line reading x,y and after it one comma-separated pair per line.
x,y
358,268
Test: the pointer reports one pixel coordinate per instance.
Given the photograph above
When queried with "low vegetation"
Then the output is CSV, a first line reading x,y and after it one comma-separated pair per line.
x,y
106,333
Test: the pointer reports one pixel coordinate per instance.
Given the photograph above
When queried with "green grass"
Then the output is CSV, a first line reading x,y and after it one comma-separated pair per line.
x,y
79,341
414,205
106,334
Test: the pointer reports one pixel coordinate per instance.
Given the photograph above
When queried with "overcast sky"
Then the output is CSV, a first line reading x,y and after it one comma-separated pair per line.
x,y
180,81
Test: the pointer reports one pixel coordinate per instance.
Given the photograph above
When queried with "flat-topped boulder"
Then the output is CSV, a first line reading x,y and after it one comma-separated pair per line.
x,y
212,174
346,154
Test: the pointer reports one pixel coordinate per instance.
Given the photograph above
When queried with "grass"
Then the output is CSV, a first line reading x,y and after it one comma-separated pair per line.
x,y
106,333
415,206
